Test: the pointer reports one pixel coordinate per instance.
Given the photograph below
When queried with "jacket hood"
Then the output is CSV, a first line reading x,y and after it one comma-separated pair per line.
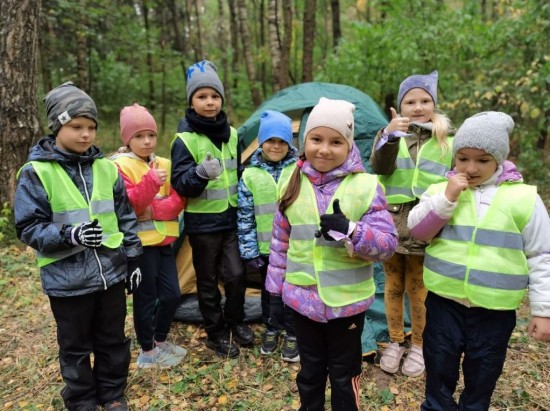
x,y
47,150
352,164
258,160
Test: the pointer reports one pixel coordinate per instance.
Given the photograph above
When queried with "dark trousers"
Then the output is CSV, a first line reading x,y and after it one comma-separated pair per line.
x,y
216,257
92,323
481,335
288,312
332,349
157,297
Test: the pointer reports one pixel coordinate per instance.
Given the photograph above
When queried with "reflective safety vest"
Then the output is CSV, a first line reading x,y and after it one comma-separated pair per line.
x,y
483,260
69,207
151,232
220,193
340,279
410,180
263,187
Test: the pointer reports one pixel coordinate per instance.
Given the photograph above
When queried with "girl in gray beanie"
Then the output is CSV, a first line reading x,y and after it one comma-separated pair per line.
x,y
412,152
488,234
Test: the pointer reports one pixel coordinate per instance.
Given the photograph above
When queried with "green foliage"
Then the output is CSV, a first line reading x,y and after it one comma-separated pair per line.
x,y
7,228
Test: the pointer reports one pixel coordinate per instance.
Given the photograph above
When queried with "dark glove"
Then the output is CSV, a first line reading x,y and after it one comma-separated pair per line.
x,y
276,312
89,234
255,263
337,222
210,168
133,278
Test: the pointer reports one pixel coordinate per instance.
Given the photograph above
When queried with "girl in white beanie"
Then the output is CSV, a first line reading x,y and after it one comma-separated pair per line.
x,y
331,224
488,234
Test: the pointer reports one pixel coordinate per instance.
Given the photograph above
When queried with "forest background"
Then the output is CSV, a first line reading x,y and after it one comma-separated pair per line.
x,y
490,54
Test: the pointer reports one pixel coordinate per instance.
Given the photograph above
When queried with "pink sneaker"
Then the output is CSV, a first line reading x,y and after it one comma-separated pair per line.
x,y
413,366
391,357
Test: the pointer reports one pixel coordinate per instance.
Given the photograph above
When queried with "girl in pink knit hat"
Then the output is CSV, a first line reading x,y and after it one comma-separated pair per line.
x,y
157,207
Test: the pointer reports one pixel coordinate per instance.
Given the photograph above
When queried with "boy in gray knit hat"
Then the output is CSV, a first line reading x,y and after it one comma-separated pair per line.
x,y
71,206
488,234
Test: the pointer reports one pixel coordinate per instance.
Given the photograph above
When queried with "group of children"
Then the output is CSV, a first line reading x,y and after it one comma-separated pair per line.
x,y
438,216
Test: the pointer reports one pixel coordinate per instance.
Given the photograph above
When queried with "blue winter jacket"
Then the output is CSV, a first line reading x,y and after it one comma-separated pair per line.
x,y
92,269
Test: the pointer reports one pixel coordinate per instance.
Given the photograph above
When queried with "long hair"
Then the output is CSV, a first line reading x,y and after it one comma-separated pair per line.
x,y
293,188
441,128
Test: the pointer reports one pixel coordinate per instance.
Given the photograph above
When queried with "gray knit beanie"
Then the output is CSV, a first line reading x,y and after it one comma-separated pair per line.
x,y
203,74
66,102
488,131
427,82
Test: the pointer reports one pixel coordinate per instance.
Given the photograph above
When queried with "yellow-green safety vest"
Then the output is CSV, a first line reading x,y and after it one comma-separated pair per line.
x,y
151,232
220,193
69,207
410,180
340,278
483,260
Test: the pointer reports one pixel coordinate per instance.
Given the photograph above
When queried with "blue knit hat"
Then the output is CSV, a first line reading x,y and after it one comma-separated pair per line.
x,y
427,82
203,74
275,124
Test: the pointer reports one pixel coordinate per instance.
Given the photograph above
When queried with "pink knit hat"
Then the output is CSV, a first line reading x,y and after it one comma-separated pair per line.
x,y
134,119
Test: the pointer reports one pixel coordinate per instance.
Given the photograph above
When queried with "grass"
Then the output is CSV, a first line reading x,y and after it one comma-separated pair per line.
x,y
30,378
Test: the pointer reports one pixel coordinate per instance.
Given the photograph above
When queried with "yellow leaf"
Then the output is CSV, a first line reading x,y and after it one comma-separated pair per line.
x,y
384,408
394,390
524,107
8,405
267,387
144,400
164,378
295,404
232,384
535,113
222,400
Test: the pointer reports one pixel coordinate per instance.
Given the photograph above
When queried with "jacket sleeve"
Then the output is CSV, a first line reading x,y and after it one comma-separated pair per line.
x,y
382,160
168,208
276,270
33,215
246,224
375,236
127,223
430,215
184,178
141,195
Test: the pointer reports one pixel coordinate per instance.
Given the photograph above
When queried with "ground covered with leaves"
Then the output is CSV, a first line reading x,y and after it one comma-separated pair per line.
x,y
30,378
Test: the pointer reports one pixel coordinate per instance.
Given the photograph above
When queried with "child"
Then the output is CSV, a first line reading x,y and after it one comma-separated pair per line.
x,y
331,224
157,207
72,208
488,234
257,200
406,167
205,163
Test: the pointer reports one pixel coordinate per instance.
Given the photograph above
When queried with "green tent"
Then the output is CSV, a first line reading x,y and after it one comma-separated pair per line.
x,y
297,101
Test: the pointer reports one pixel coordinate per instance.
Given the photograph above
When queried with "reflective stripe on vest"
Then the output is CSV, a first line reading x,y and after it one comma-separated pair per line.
x,y
340,279
151,232
69,207
410,180
220,193
263,187
484,262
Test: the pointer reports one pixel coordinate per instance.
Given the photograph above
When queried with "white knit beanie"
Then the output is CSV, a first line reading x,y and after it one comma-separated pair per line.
x,y
488,131
334,114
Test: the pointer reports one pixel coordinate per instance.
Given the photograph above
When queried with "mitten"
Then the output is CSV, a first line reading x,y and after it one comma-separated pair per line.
x,y
89,234
133,278
210,168
255,263
336,222
276,312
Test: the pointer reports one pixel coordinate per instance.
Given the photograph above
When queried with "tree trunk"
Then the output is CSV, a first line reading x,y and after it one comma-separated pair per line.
x,y
274,43
81,34
336,30
234,30
18,110
309,36
149,55
224,61
287,43
247,51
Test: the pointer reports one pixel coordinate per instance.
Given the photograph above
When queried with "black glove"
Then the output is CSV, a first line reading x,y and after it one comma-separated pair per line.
x,y
210,168
88,234
133,278
255,263
337,222
276,312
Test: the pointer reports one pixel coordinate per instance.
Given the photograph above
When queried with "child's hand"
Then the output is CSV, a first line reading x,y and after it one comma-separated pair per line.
x,y
133,276
336,222
539,328
162,174
210,168
456,185
89,234
397,123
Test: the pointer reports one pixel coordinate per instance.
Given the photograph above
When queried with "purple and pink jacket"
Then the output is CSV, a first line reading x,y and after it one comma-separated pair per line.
x,y
374,239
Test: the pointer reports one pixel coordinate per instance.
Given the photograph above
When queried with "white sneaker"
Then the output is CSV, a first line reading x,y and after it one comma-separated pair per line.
x,y
413,366
173,349
391,357
161,359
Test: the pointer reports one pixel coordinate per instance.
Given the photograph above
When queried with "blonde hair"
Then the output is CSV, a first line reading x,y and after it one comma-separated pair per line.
x,y
441,128
293,188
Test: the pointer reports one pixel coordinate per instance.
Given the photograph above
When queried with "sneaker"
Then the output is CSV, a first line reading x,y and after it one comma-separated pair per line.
x,y
242,334
171,348
160,358
391,357
119,404
223,346
270,341
290,350
413,366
